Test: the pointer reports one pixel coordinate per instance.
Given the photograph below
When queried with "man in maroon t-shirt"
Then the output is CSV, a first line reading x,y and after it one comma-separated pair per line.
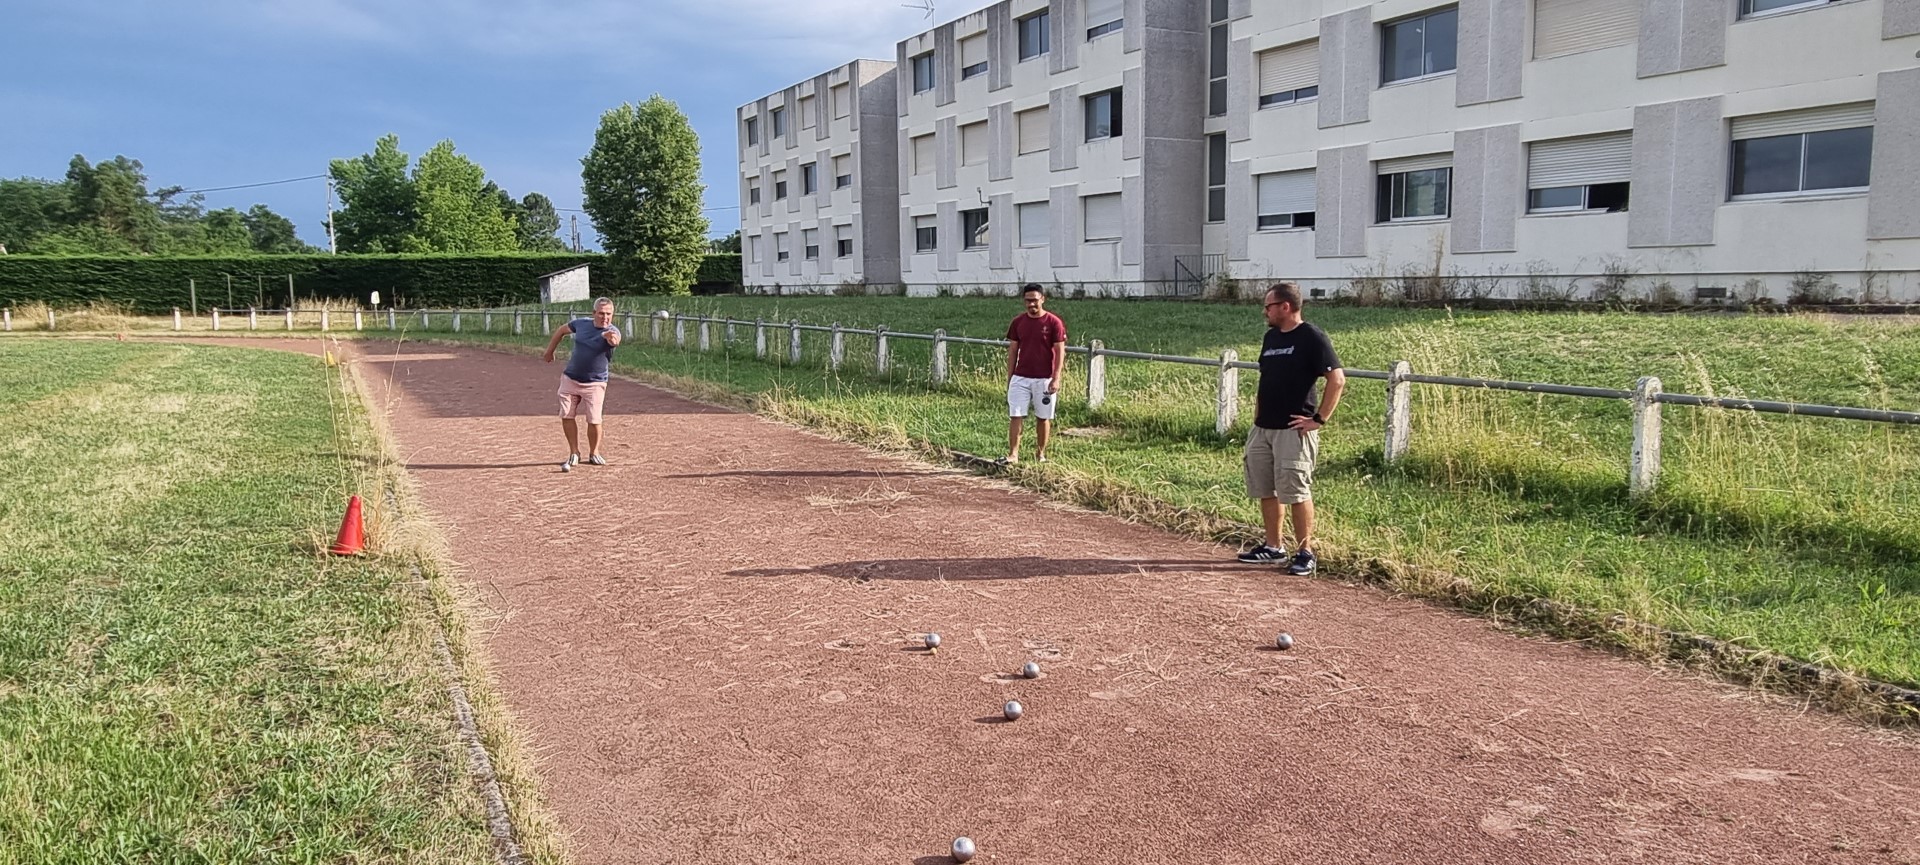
x,y
1036,352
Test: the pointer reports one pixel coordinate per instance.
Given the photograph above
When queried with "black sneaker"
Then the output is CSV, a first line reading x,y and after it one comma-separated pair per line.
x,y
1263,554
1303,564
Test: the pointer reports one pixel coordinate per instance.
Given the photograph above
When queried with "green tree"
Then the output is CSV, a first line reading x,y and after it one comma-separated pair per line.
x,y
30,210
270,233
456,212
730,243
112,196
539,225
643,193
226,232
378,201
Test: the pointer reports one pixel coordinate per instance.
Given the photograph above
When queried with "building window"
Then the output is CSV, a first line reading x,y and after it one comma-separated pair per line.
x,y
810,238
1217,178
1101,217
1217,69
1760,8
753,194
923,73
1219,11
1417,188
926,234
1103,113
842,100
1576,174
1103,17
923,154
1290,74
1034,133
806,112
973,57
779,185
753,249
1562,27
1035,224
779,119
843,241
780,246
973,228
1419,46
973,143
842,172
1823,149
1034,37
1285,200
809,179
753,130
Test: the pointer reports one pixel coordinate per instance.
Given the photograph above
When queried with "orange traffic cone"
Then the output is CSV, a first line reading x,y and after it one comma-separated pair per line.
x,y
352,535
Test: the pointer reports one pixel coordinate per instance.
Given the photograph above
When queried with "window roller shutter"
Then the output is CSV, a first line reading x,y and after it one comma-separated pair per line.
x,y
1416,163
1822,119
1102,11
1580,161
1287,69
1103,219
1286,192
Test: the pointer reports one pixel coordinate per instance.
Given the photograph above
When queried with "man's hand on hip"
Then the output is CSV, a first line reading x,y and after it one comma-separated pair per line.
x,y
1304,424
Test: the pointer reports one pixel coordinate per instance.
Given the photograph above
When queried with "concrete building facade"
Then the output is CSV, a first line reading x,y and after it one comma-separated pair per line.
x,y
817,190
1545,148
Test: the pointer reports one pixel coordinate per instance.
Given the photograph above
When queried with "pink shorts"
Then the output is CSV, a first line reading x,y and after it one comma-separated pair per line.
x,y
582,397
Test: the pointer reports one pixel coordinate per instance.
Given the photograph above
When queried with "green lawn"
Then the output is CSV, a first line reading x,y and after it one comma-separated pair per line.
x,y
1793,534
181,678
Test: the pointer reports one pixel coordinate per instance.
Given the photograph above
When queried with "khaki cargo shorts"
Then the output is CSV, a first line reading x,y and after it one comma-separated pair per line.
x,y
1279,464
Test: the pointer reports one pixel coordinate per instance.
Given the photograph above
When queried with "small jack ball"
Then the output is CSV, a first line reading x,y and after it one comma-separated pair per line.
x,y
1013,710
1030,671
1284,641
962,849
933,641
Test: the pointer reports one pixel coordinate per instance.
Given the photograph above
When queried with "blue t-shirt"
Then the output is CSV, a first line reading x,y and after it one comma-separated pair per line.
x,y
590,351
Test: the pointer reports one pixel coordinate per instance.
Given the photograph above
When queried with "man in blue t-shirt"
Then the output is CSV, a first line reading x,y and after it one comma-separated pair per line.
x,y
583,386
1284,442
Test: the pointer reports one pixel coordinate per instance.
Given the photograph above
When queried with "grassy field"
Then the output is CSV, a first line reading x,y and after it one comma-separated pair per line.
x,y
182,679
1796,535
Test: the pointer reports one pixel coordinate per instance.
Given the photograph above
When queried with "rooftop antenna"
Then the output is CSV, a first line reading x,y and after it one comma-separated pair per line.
x,y
923,5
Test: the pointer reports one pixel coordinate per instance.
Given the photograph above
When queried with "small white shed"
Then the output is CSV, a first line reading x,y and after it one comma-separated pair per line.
x,y
564,286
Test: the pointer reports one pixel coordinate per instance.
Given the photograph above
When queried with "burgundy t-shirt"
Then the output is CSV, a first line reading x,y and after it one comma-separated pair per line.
x,y
1036,337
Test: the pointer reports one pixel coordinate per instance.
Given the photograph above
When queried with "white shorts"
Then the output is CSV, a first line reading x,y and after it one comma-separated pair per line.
x,y
1030,393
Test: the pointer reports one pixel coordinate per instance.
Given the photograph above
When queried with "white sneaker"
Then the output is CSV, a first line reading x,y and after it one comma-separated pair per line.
x,y
566,466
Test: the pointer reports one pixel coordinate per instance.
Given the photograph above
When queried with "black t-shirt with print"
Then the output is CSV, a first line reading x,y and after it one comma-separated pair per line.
x,y
1291,364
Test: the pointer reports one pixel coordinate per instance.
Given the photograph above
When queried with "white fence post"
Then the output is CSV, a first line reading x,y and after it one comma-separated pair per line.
x,y
939,357
760,339
456,321
881,362
176,318
326,320
50,318
1399,410
706,334
359,323
629,333
426,319
837,349
1644,471
6,319
391,319
793,341
1096,373
653,326
486,321
679,331
253,318
546,322
732,336
216,318
289,318
1227,402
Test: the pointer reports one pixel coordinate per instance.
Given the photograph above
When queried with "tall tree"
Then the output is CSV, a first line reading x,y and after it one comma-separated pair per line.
x,y
31,209
456,211
270,233
378,201
643,192
539,225
112,196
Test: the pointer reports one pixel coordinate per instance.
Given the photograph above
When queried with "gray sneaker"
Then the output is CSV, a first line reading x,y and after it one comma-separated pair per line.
x,y
597,460
566,466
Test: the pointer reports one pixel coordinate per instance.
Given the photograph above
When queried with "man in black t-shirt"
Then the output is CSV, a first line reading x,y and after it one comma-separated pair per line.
x,y
1287,417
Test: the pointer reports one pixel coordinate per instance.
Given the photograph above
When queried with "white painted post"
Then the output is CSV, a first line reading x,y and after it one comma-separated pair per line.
x,y
359,323
760,339
391,320
732,335
1096,373
679,331
880,359
629,333
1644,471
289,318
176,318
837,349
706,335
326,320
456,321
486,321
1399,410
216,318
546,322
517,326
426,319
793,341
253,318
653,326
50,318
1227,402
939,357
6,319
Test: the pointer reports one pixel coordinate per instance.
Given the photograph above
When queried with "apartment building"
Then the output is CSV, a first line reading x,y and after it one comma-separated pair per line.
x,y
817,159
1519,146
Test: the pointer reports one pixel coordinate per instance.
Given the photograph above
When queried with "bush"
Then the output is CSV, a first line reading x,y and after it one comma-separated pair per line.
x,y
154,285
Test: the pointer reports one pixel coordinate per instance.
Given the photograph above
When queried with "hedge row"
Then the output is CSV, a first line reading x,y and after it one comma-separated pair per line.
x,y
155,285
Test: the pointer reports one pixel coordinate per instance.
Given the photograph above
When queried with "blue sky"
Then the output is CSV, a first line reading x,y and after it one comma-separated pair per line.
x,y
222,92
